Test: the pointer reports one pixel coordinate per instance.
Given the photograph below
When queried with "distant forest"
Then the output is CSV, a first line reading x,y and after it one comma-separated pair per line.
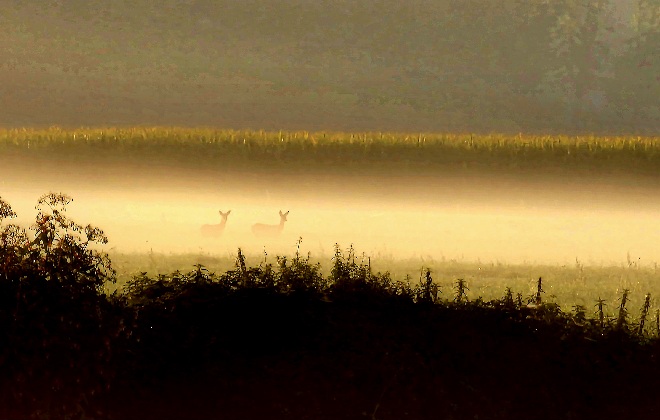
x,y
531,66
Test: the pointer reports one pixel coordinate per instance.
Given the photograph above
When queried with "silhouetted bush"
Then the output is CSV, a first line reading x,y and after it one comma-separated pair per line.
x,y
56,322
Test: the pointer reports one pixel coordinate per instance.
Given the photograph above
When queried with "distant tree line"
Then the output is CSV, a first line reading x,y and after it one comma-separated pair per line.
x,y
536,65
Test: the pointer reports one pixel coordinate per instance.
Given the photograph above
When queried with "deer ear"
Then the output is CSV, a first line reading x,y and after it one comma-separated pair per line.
x,y
280,212
228,211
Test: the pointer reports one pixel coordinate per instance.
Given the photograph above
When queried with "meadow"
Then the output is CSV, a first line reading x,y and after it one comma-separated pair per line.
x,y
565,285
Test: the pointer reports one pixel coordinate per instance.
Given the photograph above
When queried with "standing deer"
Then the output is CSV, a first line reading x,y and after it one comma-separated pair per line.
x,y
260,229
216,230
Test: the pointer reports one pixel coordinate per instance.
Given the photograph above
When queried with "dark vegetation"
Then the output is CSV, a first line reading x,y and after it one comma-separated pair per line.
x,y
284,342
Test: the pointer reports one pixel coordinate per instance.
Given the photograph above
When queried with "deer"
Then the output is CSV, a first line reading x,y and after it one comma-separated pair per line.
x,y
216,230
260,229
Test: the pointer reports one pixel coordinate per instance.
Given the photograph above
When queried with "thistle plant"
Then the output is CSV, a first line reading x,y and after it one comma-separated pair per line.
x,y
242,268
507,300
539,289
199,275
599,312
621,320
644,313
461,287
427,291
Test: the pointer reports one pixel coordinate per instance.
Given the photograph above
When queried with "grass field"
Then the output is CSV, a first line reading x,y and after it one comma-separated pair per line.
x,y
567,285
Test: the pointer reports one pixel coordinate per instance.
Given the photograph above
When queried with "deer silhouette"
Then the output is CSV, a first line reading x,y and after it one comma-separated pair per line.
x,y
261,229
216,230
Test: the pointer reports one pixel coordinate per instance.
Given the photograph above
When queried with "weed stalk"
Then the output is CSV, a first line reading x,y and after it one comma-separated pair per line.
x,y
601,315
644,314
461,287
623,312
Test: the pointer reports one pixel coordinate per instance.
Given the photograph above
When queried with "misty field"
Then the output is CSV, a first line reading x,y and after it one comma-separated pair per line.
x,y
283,340
240,158
340,334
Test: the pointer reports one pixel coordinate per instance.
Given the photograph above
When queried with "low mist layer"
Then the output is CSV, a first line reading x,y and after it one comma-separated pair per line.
x,y
500,218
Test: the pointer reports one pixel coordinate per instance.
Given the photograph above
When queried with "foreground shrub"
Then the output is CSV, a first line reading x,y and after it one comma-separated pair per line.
x,y
55,323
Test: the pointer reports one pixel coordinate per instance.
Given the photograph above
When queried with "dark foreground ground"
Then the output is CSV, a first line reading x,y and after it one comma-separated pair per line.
x,y
257,354
329,361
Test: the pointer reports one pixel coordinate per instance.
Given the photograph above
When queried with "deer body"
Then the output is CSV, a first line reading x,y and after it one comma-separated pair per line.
x,y
216,230
261,229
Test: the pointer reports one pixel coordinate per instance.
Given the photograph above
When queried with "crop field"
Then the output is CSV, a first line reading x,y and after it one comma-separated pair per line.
x,y
202,148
